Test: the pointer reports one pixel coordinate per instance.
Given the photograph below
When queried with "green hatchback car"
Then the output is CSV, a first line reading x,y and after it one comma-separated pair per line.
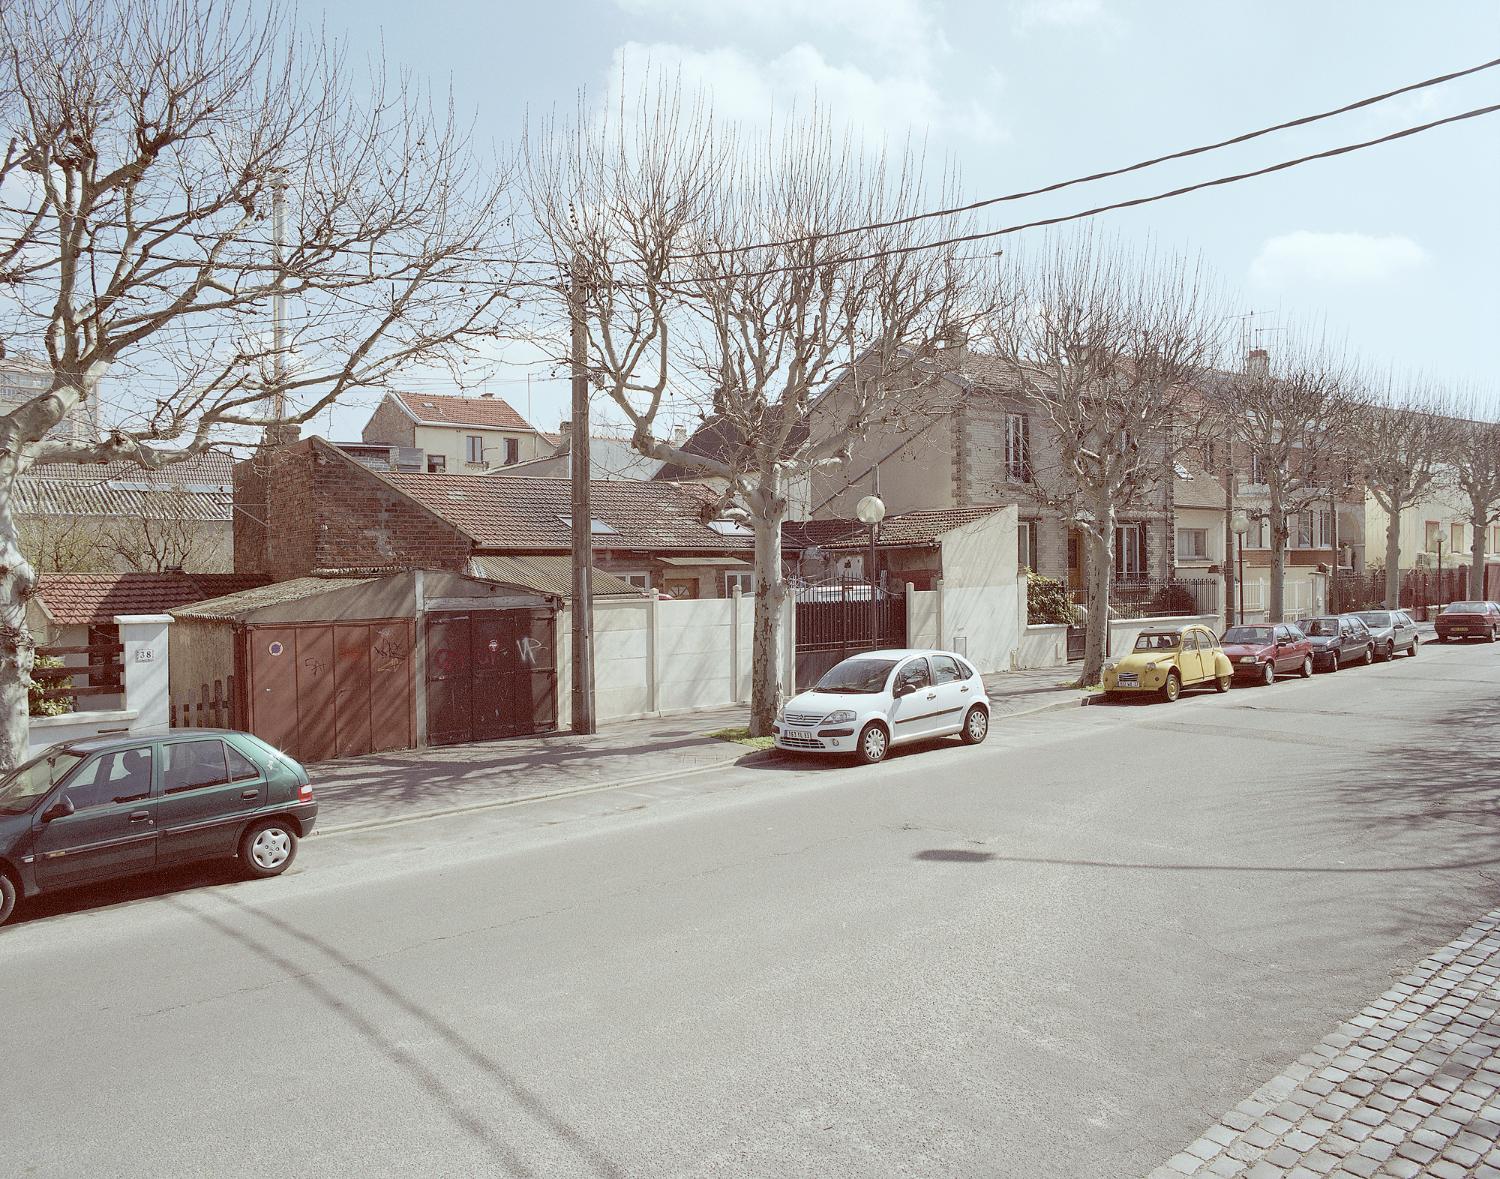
x,y
84,812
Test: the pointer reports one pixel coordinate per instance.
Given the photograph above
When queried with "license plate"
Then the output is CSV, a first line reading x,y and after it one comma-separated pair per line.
x,y
1460,630
798,735
1131,678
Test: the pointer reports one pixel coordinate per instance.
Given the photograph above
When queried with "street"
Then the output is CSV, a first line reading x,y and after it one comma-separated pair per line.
x,y
1063,953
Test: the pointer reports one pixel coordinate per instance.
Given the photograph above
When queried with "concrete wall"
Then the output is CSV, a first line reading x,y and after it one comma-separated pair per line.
x,y
145,704
1043,645
1305,594
449,441
1123,631
984,624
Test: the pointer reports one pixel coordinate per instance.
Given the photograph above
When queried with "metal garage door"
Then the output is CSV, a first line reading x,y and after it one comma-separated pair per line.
x,y
490,674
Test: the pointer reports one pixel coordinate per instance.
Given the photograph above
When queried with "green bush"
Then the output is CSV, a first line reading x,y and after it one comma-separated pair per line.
x,y
41,706
1047,601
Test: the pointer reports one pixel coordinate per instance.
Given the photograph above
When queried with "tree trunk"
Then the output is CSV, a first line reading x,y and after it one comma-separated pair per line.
x,y
17,650
1100,571
767,511
1479,514
1393,557
1228,567
1276,607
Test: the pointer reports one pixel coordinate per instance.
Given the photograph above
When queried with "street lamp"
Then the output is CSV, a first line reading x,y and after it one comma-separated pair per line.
x,y
871,511
1239,523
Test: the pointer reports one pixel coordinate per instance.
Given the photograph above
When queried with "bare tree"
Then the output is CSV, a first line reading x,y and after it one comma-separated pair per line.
x,y
1287,414
65,544
757,273
1474,475
150,142
1402,445
1107,346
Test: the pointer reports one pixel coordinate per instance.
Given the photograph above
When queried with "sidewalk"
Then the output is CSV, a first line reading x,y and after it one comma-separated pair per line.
x,y
1409,1087
386,787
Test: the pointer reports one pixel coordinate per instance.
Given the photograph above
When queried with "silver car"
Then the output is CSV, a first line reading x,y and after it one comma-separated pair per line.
x,y
1393,630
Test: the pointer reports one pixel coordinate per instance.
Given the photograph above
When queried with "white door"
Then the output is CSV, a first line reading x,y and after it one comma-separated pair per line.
x,y
915,714
953,695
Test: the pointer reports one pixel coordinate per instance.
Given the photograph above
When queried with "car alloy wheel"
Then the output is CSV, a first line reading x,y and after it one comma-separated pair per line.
x,y
1390,652
1369,654
1268,673
976,726
7,897
1333,661
1493,635
873,745
1307,668
268,848
1173,687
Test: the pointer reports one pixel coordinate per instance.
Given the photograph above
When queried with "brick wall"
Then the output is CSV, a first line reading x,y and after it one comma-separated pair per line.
x,y
390,425
249,514
323,510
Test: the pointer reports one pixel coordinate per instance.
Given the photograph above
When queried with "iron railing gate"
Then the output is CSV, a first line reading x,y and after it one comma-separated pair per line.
x,y
834,621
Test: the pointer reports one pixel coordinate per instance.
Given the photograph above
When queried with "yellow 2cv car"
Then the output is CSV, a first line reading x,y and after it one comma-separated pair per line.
x,y
1167,660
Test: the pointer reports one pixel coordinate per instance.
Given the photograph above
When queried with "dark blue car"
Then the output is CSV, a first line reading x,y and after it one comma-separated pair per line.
x,y
83,812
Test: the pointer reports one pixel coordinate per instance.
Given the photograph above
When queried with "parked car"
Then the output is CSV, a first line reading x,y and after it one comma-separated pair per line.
x,y
870,702
1167,660
1338,639
1261,653
83,812
1469,620
1392,631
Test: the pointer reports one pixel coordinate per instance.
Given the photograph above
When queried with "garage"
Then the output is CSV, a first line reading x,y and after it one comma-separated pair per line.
x,y
340,667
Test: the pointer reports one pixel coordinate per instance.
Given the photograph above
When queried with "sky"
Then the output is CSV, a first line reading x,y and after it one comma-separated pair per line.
x,y
1393,250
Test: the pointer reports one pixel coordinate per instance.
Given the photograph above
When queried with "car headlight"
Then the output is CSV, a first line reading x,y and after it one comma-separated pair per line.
x,y
1247,659
842,716
1150,667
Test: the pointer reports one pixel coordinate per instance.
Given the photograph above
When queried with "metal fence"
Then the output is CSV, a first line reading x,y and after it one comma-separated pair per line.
x,y
1365,590
835,620
1157,597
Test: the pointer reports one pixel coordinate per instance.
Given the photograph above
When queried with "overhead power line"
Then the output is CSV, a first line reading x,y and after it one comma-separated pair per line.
x,y
1042,223
1186,153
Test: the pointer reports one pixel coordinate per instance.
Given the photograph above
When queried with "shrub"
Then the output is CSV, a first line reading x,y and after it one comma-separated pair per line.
x,y
1047,601
1174,600
40,706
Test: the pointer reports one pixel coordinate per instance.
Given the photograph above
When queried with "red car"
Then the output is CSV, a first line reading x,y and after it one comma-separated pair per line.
x,y
1469,620
1260,652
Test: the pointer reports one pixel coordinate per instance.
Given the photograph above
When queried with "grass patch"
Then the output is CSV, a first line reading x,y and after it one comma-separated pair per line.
x,y
740,735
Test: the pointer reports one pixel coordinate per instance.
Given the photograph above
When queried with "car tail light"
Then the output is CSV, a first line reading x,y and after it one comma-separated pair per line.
x,y
304,792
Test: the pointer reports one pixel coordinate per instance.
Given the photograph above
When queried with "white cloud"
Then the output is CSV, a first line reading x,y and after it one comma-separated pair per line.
x,y
1030,15
747,90
1334,259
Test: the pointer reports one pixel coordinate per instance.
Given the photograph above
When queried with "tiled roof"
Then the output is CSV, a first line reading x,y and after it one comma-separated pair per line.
x,y
490,412
1196,488
532,514
548,575
915,528
210,469
77,599
231,604
74,497
718,439
609,458
798,534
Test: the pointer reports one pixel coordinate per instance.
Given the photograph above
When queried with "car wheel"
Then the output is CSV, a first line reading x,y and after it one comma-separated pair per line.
x,y
1369,655
7,897
1268,673
268,848
874,743
1333,662
1307,668
1412,650
976,726
1223,682
1390,652
1493,635
1173,688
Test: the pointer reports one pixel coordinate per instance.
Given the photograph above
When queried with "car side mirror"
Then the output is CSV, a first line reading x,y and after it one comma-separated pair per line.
x,y
60,809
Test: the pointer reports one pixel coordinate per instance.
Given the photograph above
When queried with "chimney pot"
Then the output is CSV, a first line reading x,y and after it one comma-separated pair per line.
x,y
1258,362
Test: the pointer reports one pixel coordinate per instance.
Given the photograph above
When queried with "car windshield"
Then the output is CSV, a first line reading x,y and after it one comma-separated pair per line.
x,y
1322,627
1247,634
20,789
857,675
1375,618
1464,608
1159,641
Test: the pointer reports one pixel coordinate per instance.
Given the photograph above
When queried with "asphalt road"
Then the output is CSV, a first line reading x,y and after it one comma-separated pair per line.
x,y
1064,953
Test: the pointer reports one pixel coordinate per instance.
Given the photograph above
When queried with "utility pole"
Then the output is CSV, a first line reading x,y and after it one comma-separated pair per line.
x,y
583,533
278,433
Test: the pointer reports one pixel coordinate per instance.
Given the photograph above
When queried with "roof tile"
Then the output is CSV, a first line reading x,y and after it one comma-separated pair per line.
x,y
488,411
93,599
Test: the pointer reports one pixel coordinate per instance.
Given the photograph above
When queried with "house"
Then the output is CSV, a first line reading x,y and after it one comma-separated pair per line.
x,y
121,516
610,457
1200,513
309,509
908,548
459,435
1435,531
721,439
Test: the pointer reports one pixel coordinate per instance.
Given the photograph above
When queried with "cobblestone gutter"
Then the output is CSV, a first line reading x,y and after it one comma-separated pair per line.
x,y
1408,1087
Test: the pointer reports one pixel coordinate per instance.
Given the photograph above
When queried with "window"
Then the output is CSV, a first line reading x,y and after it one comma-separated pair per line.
x,y
945,670
731,528
596,526
639,580
512,451
1301,530
111,778
1325,529
1192,544
241,768
1456,538
1431,536
1209,456
1259,536
437,464
1257,469
473,449
744,582
1026,544
1283,635
192,765
1018,448
1130,551
915,673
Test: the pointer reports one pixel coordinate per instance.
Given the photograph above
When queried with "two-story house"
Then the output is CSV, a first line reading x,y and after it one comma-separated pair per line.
x,y
457,435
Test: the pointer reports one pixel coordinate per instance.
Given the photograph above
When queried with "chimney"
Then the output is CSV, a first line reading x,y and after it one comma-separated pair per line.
x,y
679,435
954,337
1258,363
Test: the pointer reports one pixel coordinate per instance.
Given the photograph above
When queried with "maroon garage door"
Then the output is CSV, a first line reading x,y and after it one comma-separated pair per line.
x,y
334,690
490,674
